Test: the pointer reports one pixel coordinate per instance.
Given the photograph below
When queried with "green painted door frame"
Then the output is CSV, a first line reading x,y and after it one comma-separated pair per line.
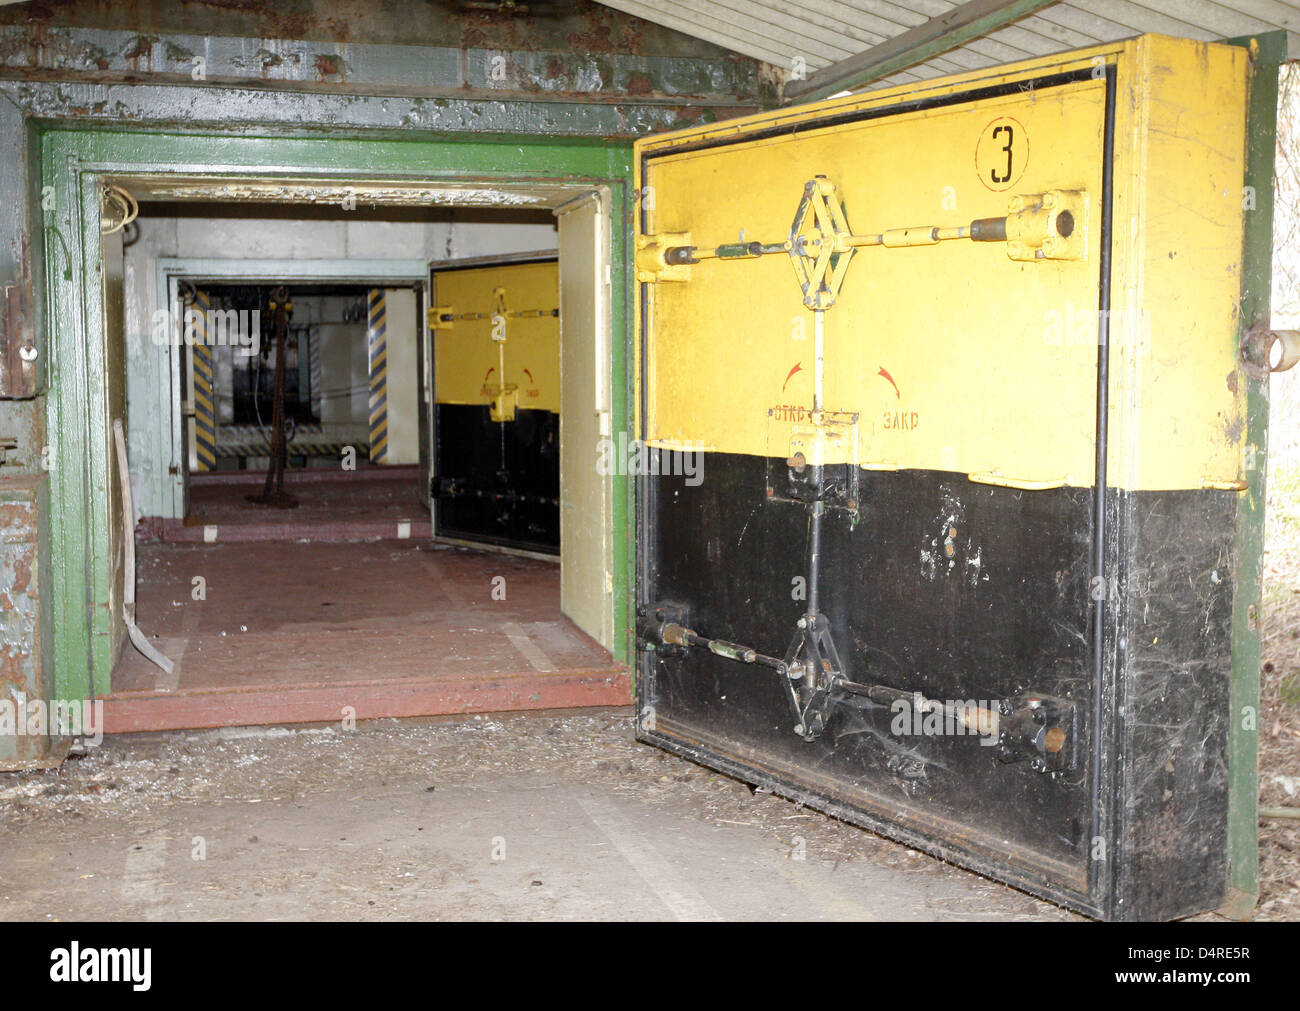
x,y
1267,53
73,163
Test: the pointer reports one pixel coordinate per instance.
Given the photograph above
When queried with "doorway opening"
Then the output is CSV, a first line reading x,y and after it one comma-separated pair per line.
x,y
341,603
347,343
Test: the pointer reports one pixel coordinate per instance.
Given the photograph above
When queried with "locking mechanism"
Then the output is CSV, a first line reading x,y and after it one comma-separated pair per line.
x,y
820,469
1048,226
819,462
504,397
665,257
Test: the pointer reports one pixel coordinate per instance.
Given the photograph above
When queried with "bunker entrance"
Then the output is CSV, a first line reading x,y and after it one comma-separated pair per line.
x,y
411,559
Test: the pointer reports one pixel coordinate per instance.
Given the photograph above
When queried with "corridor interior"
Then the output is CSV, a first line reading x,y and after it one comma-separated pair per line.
x,y
343,606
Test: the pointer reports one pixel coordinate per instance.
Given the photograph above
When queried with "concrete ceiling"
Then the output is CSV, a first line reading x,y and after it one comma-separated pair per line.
x,y
823,32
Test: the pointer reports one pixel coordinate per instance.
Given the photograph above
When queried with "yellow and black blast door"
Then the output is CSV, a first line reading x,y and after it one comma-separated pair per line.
x,y
939,389
496,374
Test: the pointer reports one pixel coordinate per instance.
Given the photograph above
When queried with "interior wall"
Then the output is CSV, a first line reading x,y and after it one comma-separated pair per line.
x,y
280,233
343,369
340,397
403,335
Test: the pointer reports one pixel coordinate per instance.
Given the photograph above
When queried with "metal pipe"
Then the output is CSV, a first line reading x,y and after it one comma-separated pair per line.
x,y
448,317
819,356
979,230
814,556
677,635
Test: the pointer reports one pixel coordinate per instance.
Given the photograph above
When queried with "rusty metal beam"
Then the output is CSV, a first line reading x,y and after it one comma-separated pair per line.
x,y
516,75
128,106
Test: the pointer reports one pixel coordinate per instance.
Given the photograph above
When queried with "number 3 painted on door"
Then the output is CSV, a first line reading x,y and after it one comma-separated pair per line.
x,y
1005,177
1001,153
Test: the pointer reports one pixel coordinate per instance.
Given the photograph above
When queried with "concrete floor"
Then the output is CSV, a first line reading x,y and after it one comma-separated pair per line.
x,y
531,816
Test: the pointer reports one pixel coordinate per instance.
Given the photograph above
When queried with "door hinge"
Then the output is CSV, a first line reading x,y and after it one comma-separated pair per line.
x,y
1265,350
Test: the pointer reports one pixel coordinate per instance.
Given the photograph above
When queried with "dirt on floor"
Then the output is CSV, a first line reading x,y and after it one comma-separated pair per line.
x,y
397,820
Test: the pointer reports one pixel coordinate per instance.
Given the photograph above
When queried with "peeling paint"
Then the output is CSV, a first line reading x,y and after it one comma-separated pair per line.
x,y
20,607
950,549
329,65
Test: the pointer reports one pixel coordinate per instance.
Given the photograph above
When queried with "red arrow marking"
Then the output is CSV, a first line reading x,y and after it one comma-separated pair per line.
x,y
529,375
488,373
797,368
882,372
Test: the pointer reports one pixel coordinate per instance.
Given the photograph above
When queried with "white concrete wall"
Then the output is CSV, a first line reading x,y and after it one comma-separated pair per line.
x,y
343,372
403,377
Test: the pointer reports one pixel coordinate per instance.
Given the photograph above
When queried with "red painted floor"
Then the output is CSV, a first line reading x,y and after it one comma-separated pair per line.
x,y
333,505
305,632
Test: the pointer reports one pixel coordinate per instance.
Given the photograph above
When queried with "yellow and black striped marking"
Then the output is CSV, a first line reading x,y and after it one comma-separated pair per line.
x,y
377,344
205,418
314,367
245,441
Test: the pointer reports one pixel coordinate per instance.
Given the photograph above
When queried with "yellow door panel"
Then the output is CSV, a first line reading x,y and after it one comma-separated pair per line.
x,y
959,355
467,360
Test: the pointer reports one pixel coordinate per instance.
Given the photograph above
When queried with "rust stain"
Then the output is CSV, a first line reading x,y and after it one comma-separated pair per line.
x,y
630,36
340,29
1233,429
17,603
271,17
143,46
329,65
14,515
22,577
598,40
640,84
